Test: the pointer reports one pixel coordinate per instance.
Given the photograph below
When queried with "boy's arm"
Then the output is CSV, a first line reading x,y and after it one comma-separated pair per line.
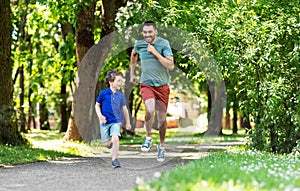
x,y
126,116
101,117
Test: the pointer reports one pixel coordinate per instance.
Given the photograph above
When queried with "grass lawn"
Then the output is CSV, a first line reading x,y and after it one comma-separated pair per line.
x,y
234,171
44,145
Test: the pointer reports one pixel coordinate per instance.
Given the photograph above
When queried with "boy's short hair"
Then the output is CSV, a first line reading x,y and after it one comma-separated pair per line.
x,y
111,76
150,23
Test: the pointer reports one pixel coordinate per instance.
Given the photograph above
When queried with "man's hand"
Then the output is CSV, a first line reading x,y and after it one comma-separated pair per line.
x,y
151,49
128,126
133,79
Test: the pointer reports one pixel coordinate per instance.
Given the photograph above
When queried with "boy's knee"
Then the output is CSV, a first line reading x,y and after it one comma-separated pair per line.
x,y
115,138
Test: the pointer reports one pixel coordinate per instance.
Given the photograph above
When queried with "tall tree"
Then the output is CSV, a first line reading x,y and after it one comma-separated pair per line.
x,y
66,53
85,40
24,7
84,36
9,133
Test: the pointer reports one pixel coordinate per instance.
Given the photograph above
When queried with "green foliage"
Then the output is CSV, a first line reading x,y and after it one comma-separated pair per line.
x,y
232,171
255,44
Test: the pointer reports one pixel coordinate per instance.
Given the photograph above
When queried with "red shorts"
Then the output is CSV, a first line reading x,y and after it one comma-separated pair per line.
x,y
159,93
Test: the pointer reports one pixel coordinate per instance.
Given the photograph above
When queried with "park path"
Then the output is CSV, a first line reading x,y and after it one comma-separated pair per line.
x,y
96,173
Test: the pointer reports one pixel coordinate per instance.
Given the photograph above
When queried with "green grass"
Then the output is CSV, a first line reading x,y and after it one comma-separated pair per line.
x,y
233,171
44,145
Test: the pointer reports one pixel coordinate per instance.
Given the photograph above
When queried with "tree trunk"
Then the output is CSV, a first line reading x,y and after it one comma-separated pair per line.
x,y
44,116
235,117
84,35
227,116
85,40
31,108
9,133
245,123
216,116
66,28
209,103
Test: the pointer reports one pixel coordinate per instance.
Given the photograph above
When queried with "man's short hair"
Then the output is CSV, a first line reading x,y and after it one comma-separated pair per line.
x,y
149,23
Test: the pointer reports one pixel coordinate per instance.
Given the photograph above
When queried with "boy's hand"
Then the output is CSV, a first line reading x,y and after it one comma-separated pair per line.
x,y
102,119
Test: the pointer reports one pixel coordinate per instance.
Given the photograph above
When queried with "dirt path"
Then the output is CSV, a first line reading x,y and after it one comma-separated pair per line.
x,y
96,173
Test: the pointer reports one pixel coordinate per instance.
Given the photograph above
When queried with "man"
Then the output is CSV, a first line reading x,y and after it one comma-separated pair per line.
x,y
156,61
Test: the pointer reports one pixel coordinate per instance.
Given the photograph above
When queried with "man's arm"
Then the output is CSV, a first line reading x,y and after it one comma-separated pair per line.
x,y
133,59
167,62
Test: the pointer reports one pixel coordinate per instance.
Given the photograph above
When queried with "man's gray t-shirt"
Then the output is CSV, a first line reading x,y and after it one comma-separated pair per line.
x,y
153,72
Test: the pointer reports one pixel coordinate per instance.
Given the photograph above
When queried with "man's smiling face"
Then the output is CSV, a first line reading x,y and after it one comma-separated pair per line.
x,y
149,34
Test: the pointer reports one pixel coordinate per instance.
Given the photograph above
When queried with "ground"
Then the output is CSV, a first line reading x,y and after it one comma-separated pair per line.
x,y
96,173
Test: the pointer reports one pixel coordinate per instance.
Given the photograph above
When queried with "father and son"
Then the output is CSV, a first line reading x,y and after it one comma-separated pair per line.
x,y
156,60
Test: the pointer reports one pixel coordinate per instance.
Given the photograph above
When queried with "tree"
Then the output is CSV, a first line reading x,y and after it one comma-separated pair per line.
x,y
85,40
84,35
9,133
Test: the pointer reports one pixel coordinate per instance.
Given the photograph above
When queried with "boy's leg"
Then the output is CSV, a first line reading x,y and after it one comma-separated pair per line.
x,y
105,137
108,144
115,147
115,134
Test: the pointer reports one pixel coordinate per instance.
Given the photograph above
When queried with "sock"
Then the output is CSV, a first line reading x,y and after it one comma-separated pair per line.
x,y
148,138
161,147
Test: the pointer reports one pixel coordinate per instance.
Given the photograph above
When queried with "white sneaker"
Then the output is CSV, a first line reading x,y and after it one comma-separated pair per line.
x,y
160,154
146,145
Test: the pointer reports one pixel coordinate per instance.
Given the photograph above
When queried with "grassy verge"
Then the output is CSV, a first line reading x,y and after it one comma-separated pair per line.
x,y
44,145
233,171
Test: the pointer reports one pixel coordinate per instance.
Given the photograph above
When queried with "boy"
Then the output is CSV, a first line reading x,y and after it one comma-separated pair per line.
x,y
111,110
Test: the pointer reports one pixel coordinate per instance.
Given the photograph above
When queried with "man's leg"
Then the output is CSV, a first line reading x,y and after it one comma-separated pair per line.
x,y
150,109
162,125
149,117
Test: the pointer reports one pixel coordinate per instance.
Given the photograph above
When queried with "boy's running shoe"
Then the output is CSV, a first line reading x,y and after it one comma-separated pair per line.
x,y
115,163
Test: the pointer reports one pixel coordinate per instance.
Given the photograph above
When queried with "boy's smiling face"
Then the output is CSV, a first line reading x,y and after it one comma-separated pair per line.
x,y
116,84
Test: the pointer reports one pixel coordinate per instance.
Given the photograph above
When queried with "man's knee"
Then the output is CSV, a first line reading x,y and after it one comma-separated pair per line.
x,y
149,115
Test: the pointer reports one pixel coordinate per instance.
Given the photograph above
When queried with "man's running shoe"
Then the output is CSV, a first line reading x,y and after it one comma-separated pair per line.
x,y
146,145
160,154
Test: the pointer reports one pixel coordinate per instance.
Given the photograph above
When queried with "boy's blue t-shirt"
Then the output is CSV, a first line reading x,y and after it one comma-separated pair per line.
x,y
111,105
153,72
